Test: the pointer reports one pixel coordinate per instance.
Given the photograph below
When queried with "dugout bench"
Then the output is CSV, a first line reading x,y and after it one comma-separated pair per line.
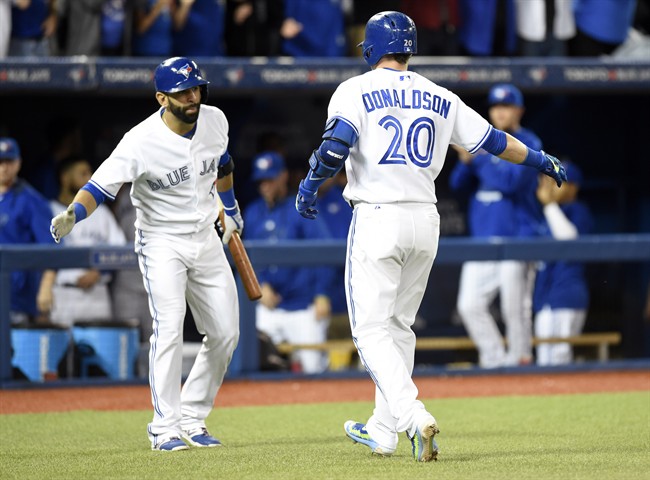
x,y
601,341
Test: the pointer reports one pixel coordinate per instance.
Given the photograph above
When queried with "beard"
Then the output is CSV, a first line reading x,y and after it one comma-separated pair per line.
x,y
182,115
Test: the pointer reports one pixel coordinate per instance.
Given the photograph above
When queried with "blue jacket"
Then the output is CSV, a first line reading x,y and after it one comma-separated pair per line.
x,y
476,32
296,285
24,218
323,33
605,20
504,201
27,24
563,284
157,41
203,34
337,214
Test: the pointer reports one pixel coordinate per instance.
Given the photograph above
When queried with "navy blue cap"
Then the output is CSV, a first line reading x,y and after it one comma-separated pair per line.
x,y
9,149
267,165
573,173
505,94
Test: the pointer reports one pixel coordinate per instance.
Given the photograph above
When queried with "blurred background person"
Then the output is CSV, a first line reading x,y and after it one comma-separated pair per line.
x,y
93,27
561,295
337,214
154,24
502,204
200,28
438,22
488,28
544,27
82,295
602,26
253,27
313,28
33,28
5,26
24,219
295,306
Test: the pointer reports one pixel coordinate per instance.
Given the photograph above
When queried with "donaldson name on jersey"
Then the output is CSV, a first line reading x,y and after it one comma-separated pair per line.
x,y
405,123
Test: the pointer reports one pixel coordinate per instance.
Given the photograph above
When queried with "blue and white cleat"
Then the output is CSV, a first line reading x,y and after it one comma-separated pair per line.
x,y
425,447
201,438
171,445
358,434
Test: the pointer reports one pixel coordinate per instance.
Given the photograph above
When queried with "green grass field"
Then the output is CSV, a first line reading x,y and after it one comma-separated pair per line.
x,y
590,436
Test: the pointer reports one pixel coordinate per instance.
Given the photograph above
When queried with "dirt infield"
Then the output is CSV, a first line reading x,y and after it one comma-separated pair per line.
x,y
240,393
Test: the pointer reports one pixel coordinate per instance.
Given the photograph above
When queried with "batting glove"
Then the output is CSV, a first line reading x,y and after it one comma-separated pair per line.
x,y
554,169
62,224
305,201
233,223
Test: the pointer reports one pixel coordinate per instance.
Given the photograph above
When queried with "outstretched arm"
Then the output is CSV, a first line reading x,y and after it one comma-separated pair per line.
x,y
83,205
507,147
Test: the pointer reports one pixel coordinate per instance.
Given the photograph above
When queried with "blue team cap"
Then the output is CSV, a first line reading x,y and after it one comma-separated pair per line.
x,y
573,173
9,149
505,94
267,165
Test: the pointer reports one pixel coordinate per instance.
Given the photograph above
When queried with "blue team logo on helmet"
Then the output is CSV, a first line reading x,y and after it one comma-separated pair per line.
x,y
388,32
177,74
184,70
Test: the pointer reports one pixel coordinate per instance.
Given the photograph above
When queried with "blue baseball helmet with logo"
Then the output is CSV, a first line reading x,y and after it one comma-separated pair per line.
x,y
505,94
388,32
177,74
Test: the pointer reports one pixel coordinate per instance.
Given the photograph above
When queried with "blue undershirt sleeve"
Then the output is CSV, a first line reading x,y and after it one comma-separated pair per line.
x,y
496,142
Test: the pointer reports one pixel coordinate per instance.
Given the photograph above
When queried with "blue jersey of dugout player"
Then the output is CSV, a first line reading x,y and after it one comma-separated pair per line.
x,y
273,217
24,217
562,285
503,203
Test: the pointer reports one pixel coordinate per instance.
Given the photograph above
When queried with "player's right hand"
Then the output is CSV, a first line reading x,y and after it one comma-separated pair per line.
x,y
62,224
554,169
305,201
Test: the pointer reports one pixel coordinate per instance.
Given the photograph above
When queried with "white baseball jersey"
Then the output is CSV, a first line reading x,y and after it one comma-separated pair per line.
x,y
170,193
405,124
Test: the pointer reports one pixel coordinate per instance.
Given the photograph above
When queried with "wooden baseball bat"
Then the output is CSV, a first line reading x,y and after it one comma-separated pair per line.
x,y
243,264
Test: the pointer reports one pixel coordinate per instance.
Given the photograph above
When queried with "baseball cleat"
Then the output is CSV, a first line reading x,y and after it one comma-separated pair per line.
x,y
201,438
358,434
425,447
171,445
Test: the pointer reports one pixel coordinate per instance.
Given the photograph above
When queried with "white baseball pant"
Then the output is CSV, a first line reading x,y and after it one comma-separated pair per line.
x,y
561,322
391,249
479,284
175,268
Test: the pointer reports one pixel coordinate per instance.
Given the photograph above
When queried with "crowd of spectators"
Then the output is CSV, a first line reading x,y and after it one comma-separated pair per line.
x,y
318,28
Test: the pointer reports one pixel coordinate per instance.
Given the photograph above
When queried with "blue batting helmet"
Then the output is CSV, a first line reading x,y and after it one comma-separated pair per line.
x,y
388,32
505,94
177,74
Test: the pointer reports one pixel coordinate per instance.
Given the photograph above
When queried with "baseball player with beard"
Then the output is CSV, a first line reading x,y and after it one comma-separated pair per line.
x,y
177,162
392,128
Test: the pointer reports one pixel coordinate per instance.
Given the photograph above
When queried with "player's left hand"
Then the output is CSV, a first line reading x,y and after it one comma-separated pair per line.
x,y
305,201
554,169
233,223
62,224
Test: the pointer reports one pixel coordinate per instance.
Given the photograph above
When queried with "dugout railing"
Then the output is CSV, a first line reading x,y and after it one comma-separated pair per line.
x,y
631,249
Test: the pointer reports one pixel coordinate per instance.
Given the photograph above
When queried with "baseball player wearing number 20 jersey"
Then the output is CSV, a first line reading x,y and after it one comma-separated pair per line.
x,y
177,162
391,129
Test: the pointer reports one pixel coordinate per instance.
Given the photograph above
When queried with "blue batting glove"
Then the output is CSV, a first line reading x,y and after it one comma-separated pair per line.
x,y
554,169
305,201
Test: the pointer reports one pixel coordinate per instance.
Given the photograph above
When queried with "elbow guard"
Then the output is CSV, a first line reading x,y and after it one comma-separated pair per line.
x,y
338,138
226,166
